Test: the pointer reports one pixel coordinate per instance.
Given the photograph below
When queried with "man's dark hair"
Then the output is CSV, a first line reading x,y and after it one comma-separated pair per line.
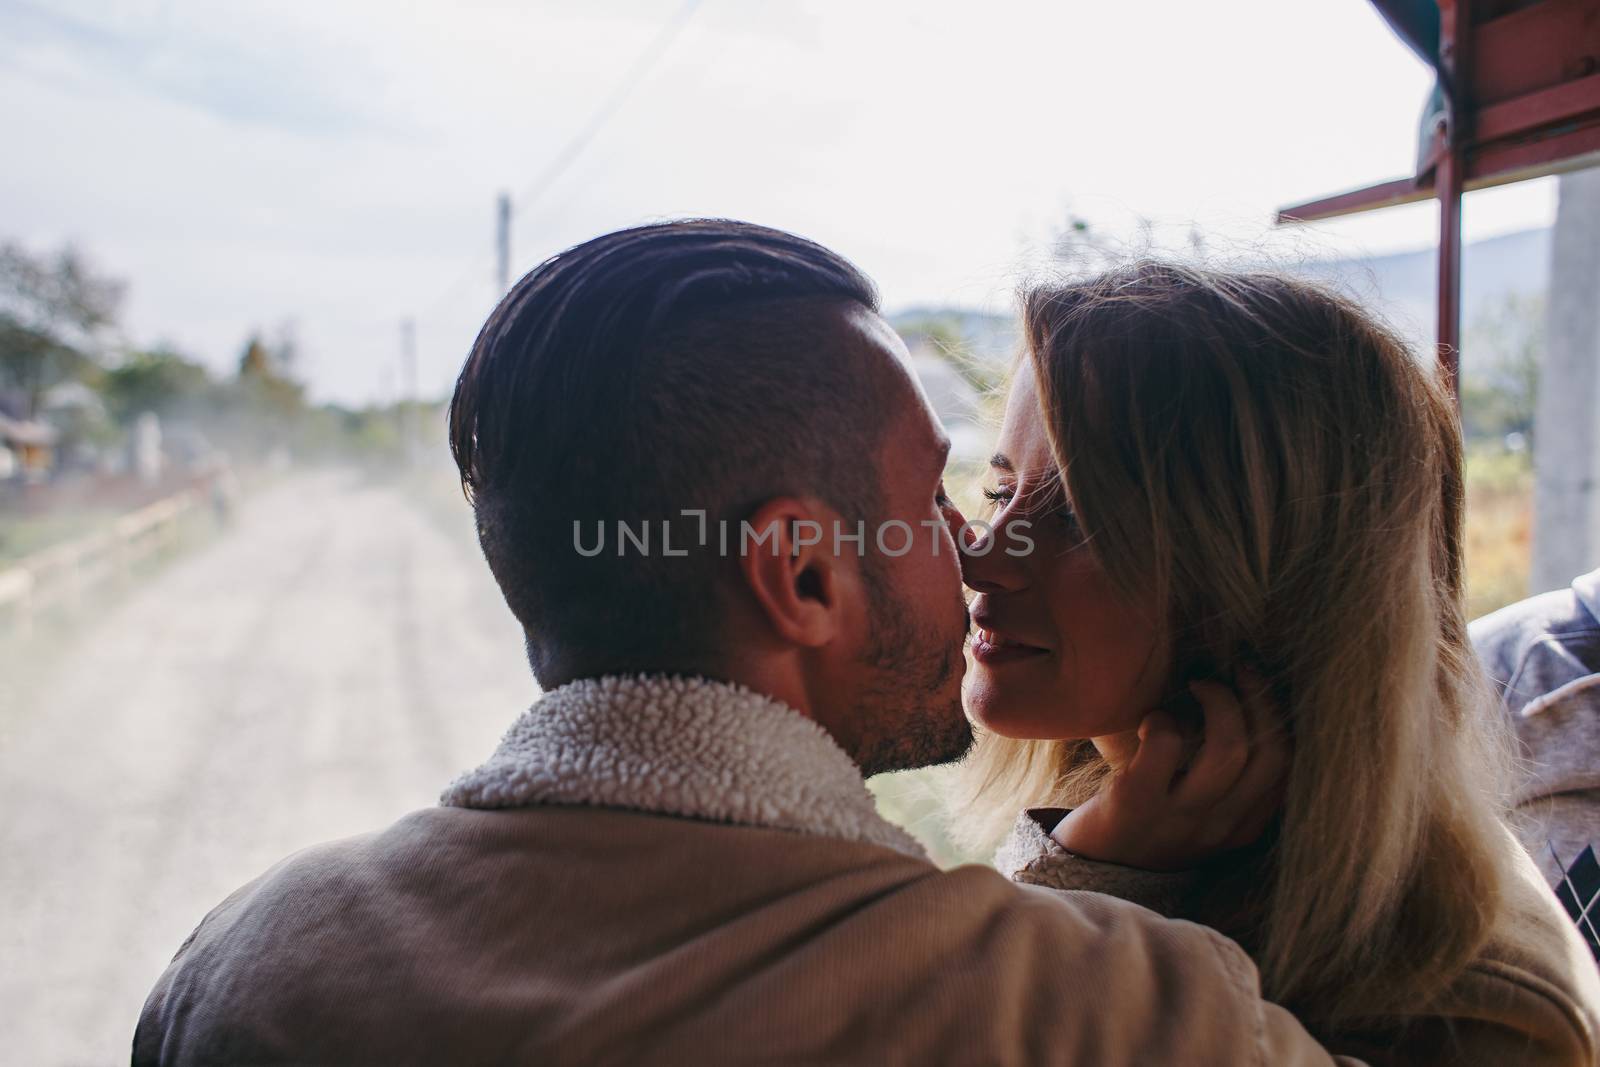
x,y
702,364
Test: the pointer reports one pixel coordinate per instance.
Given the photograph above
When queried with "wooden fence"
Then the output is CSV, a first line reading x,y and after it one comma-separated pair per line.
x,y
64,577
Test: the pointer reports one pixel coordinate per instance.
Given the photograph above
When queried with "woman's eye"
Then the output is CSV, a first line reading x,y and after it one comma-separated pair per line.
x,y
1001,495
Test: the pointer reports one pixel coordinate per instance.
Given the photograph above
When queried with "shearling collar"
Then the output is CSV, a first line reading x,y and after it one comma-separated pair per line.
x,y
680,746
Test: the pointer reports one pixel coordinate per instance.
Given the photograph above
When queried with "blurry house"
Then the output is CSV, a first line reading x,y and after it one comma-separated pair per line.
x,y
27,449
83,427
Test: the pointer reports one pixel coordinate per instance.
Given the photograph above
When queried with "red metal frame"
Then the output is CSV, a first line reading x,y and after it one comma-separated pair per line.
x,y
1455,43
1521,81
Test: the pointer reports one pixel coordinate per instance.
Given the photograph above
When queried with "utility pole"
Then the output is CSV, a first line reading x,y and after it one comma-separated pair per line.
x,y
408,389
502,243
1566,453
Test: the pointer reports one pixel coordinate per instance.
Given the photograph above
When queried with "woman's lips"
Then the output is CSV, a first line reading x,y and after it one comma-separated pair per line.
x,y
991,649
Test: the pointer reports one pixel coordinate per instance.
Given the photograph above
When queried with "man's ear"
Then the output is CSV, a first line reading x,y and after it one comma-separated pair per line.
x,y
787,560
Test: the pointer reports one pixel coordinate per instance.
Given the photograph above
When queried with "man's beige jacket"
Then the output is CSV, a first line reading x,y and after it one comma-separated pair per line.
x,y
674,871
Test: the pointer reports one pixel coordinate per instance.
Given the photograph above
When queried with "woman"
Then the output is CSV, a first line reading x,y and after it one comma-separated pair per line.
x,y
1242,479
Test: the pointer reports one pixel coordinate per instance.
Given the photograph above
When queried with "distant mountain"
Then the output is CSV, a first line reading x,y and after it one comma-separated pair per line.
x,y
1402,286
991,337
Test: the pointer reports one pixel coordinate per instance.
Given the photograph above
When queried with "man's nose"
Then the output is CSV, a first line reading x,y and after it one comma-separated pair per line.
x,y
954,521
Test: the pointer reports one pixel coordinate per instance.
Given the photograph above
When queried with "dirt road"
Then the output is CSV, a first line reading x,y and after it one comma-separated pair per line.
x,y
321,669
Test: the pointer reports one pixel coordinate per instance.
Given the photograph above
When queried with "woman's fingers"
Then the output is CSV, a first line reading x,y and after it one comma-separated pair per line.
x,y
1258,794
1225,751
1221,799
1156,763
1259,788
1166,811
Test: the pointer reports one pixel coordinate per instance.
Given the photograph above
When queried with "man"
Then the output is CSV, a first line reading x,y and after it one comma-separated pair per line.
x,y
710,491
1543,655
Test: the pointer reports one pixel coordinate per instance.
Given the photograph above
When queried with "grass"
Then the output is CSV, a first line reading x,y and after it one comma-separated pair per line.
x,y
23,535
1499,528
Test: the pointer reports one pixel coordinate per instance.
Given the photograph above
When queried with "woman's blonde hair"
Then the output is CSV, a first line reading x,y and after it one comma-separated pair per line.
x,y
1286,477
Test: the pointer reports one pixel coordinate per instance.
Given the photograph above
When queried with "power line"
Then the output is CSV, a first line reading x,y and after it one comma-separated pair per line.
x,y
574,148
608,108
630,81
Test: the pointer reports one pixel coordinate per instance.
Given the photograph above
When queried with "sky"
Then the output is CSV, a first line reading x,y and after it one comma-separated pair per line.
x,y
334,166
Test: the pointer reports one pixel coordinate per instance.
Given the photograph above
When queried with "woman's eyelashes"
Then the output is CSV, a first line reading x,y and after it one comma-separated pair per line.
x,y
1001,497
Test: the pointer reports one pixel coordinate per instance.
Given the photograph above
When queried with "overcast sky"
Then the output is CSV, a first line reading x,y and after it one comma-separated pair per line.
x,y
335,164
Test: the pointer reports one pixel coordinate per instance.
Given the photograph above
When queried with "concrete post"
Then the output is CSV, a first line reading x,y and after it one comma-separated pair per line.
x,y
1566,541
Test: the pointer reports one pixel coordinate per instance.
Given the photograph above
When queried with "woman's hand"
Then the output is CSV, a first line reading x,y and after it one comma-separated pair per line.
x,y
1157,815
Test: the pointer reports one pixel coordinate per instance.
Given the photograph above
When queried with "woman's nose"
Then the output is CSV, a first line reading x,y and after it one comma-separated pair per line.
x,y
991,560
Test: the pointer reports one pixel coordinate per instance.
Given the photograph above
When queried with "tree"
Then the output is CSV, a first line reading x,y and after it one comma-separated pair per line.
x,y
267,401
158,380
1500,391
266,375
54,311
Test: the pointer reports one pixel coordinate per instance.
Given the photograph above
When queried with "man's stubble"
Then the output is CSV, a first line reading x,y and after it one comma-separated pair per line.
x,y
907,720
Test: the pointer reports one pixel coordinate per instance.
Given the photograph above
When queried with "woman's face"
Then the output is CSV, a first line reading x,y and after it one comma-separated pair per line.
x,y
1058,652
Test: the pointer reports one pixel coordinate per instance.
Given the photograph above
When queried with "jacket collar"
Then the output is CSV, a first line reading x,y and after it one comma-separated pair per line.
x,y
680,746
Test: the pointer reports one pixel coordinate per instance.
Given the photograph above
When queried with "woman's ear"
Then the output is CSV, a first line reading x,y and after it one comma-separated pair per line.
x,y
788,563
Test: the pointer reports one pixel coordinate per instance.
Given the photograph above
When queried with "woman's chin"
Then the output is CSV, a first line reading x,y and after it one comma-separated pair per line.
x,y
1014,715
1034,713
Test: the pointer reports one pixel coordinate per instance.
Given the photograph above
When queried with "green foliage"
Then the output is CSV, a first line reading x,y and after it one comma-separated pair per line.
x,y
266,377
159,381
265,404
54,309
1500,387
369,435
57,315
22,533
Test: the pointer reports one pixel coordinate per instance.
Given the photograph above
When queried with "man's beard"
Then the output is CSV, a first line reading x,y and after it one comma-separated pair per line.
x,y
905,719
